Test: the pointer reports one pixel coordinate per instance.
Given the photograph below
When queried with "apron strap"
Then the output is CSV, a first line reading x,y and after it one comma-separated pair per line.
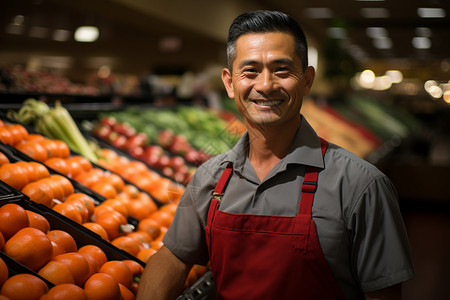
x,y
309,185
223,180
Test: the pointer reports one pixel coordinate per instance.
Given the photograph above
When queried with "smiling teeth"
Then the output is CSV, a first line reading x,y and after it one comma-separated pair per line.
x,y
268,102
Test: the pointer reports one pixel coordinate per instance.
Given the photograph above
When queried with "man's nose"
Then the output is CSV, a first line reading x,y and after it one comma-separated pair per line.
x,y
265,82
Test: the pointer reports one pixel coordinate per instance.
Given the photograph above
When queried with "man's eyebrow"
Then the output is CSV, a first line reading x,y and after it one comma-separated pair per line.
x,y
286,61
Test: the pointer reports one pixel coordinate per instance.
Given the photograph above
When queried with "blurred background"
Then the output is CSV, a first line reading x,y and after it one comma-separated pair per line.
x,y
382,87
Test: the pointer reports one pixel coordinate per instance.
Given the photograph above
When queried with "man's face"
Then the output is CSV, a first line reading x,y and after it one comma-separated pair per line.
x,y
267,82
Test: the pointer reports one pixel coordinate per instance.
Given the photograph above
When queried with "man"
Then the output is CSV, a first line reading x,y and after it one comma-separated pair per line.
x,y
284,214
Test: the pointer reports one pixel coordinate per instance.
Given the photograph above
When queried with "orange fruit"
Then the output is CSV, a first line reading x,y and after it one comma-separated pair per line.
x,y
24,287
157,244
5,136
85,164
151,226
57,190
64,239
31,247
116,205
93,264
69,210
161,235
75,168
38,221
2,241
4,271
39,192
105,189
170,208
84,212
18,133
127,244
34,149
66,291
145,254
61,148
86,200
141,207
90,177
95,252
13,175
65,183
115,180
58,164
13,218
57,249
136,268
40,170
77,264
98,229
3,159
119,271
102,286
126,293
56,272
141,237
29,170
114,223
191,278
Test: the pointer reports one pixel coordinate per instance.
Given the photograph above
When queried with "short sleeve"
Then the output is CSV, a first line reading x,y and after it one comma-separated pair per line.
x,y
185,237
380,253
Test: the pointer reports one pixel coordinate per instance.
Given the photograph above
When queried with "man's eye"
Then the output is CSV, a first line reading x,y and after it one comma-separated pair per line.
x,y
250,70
282,69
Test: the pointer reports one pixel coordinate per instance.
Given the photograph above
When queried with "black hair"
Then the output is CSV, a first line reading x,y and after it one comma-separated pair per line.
x,y
261,21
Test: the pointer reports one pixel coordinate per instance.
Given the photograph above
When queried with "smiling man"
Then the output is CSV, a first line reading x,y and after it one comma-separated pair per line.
x,y
284,214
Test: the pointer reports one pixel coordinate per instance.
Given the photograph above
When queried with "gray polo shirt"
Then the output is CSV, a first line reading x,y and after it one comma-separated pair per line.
x,y
355,209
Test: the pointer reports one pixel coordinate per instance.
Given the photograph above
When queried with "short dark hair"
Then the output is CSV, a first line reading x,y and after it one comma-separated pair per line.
x,y
261,21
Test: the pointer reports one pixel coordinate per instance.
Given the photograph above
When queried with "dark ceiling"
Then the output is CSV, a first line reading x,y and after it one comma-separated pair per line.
x,y
133,35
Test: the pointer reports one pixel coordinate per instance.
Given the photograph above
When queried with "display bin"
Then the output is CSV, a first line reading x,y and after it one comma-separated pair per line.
x,y
8,192
203,289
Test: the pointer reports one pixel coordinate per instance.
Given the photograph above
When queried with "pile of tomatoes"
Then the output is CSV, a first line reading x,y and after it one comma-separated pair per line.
x,y
108,217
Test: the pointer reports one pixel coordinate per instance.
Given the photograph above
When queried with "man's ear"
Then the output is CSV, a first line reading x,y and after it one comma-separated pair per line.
x,y
227,82
310,74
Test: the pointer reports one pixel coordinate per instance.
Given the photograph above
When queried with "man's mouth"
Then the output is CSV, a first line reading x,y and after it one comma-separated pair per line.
x,y
267,102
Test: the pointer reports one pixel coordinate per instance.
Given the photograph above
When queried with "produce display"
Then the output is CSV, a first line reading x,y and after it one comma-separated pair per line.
x,y
124,216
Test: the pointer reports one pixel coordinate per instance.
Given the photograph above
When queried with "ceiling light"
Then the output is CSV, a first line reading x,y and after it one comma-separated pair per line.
x,y
435,92
319,13
421,43
372,12
376,32
382,43
86,34
447,97
61,35
425,12
423,31
367,76
428,84
395,75
336,32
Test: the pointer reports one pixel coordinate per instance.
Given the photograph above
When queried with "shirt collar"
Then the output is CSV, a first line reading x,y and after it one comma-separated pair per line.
x,y
305,149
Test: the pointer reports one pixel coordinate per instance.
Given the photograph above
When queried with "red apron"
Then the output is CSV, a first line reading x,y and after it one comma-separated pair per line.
x,y
269,257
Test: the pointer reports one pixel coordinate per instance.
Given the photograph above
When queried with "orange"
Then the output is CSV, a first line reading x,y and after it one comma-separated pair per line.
x,y
34,149
57,190
75,168
191,278
33,137
161,235
38,221
85,164
157,244
88,201
31,247
141,207
116,205
3,159
95,252
114,223
18,133
69,210
61,148
13,218
65,183
145,254
126,293
90,177
29,170
131,190
39,192
77,264
98,229
141,237
57,249
64,239
119,271
56,272
13,175
58,164
102,286
199,269
151,226
84,212
169,207
4,271
24,287
105,189
5,136
115,180
51,147
66,291
136,268
40,170
127,244
93,264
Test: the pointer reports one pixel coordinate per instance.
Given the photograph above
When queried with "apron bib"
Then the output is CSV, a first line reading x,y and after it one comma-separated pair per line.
x,y
269,257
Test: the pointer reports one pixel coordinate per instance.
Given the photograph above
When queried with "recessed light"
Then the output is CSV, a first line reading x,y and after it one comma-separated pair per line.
x,y
86,34
61,35
318,12
426,12
374,12
376,32
421,43
382,43
337,32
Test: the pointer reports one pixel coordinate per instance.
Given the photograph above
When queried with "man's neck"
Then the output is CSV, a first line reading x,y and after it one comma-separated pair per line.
x,y
268,146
